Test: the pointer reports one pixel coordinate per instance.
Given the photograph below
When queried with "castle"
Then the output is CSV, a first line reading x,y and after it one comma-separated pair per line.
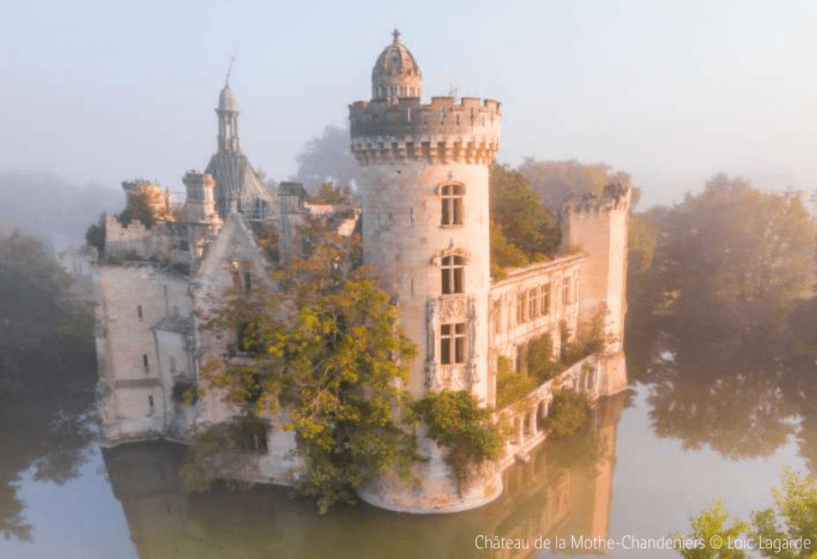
x,y
425,230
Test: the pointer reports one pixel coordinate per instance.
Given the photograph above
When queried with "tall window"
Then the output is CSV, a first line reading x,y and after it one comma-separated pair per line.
x,y
497,316
452,343
452,274
452,205
139,311
521,304
172,365
566,292
544,298
242,280
533,303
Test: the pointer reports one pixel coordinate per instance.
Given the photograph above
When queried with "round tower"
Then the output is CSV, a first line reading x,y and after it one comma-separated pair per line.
x,y
424,184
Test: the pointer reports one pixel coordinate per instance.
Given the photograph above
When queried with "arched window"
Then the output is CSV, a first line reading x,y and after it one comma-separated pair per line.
x,y
451,204
452,269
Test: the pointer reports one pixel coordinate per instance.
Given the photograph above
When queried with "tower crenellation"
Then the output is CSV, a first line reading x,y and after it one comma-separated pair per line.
x,y
436,132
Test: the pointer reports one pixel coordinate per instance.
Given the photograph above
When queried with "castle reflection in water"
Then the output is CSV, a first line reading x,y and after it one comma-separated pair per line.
x,y
565,490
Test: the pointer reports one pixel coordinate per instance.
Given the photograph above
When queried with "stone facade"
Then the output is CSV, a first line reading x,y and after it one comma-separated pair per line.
x,y
425,204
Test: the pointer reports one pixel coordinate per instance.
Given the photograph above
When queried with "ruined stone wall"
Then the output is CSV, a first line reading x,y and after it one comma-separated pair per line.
x,y
599,227
135,241
134,370
531,302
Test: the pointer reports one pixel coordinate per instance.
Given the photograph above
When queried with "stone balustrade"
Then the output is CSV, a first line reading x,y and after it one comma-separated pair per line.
x,y
526,415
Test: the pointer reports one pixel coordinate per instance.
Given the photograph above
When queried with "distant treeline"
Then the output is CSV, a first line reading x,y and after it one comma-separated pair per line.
x,y
47,206
733,263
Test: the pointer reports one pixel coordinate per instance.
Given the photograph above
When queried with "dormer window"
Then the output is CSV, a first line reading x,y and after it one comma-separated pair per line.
x,y
451,204
452,275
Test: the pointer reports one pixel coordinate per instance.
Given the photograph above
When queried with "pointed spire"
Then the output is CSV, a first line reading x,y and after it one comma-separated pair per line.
x,y
229,70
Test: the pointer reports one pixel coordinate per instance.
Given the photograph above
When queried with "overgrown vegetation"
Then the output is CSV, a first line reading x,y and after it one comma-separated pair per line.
x,y
537,364
792,519
95,234
569,413
331,193
147,204
455,420
511,385
222,450
522,229
41,321
589,340
325,346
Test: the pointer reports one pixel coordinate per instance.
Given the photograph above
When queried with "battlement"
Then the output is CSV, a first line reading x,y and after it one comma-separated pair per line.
x,y
439,132
616,198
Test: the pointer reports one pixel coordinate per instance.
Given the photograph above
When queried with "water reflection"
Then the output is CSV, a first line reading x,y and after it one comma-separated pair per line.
x,y
741,400
564,490
49,429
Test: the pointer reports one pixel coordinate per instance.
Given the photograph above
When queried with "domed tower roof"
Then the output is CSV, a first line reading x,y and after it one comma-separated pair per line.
x,y
226,99
396,74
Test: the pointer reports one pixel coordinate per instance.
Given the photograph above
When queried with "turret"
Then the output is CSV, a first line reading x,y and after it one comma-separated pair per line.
x,y
202,220
227,112
200,205
424,186
599,226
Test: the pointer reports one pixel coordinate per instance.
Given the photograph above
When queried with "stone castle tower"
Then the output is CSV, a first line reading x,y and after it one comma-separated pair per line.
x,y
599,226
424,183
424,179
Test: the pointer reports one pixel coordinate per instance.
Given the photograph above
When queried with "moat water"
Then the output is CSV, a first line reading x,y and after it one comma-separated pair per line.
x,y
692,427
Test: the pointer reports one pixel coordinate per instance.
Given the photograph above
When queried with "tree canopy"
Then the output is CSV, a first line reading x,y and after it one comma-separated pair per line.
x,y
325,345
732,259
47,375
328,159
39,317
522,229
554,181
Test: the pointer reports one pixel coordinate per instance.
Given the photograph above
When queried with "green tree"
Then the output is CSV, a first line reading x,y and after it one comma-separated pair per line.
x,y
503,253
456,421
95,234
326,347
795,517
522,230
328,159
47,375
554,181
786,531
710,536
39,317
570,413
736,259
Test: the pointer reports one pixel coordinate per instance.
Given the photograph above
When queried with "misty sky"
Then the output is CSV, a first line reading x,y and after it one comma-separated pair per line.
x,y
671,91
